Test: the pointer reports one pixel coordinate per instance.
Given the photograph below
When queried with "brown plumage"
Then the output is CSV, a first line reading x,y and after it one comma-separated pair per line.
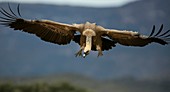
x,y
91,37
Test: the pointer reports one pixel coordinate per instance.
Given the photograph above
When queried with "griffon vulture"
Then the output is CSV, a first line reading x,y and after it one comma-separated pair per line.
x,y
92,36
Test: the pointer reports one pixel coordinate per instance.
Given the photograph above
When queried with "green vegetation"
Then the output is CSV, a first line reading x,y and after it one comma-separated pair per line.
x,y
40,87
78,83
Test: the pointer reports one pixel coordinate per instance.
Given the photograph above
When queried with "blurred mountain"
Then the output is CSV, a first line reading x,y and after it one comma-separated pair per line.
x,y
23,55
82,83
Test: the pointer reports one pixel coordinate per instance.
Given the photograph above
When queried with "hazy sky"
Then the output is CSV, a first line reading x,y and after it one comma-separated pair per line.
x,y
92,3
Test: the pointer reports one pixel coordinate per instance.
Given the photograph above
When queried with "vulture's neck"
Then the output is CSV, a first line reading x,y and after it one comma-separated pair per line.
x,y
88,43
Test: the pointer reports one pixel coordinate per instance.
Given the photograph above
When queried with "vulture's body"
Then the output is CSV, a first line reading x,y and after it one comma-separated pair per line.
x,y
91,37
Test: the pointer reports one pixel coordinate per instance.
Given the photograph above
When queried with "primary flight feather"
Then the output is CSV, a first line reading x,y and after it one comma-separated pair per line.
x,y
91,37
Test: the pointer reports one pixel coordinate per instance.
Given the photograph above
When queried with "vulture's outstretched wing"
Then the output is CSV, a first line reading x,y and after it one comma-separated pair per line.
x,y
129,38
47,30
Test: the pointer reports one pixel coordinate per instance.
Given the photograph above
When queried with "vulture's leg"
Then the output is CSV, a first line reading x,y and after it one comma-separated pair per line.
x,y
82,45
99,49
98,41
79,53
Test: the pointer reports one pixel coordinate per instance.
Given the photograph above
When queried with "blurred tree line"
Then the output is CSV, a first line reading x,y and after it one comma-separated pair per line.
x,y
40,87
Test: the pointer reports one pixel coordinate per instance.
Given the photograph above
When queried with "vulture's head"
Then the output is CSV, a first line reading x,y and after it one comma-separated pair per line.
x,y
88,33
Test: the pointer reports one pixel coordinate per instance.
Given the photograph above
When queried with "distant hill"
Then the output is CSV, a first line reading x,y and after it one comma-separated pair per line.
x,y
74,82
23,55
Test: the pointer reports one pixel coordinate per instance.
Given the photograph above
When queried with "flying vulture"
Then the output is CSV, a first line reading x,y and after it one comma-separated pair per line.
x,y
91,37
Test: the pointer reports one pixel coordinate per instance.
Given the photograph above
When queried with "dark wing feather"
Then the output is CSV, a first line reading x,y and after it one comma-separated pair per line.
x,y
107,44
47,30
129,38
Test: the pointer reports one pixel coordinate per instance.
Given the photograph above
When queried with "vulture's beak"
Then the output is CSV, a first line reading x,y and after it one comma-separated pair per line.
x,y
85,54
